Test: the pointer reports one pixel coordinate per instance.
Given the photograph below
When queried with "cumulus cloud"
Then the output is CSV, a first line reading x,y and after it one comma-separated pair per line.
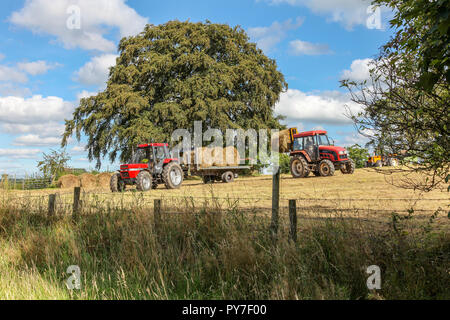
x,y
36,141
359,70
10,89
11,74
269,37
299,47
324,107
85,94
34,110
19,153
347,12
96,71
37,119
96,19
78,149
37,67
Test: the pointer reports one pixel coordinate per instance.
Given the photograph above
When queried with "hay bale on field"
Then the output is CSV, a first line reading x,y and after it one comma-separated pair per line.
x,y
88,181
68,181
284,140
103,180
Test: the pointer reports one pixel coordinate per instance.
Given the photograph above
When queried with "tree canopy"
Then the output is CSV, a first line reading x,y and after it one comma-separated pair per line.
x,y
171,75
422,31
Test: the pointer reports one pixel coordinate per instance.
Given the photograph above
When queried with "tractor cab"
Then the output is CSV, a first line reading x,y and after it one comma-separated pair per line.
x,y
151,164
314,151
152,155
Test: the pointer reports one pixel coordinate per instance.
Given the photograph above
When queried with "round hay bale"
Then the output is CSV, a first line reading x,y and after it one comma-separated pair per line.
x,y
88,181
226,157
284,140
68,181
207,157
103,180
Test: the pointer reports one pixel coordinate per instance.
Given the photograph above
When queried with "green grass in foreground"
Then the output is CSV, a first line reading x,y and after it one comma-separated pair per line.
x,y
213,256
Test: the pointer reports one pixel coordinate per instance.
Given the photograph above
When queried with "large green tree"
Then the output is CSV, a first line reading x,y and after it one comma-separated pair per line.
x,y
171,75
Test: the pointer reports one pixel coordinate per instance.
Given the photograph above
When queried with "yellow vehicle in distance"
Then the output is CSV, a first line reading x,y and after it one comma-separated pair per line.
x,y
382,161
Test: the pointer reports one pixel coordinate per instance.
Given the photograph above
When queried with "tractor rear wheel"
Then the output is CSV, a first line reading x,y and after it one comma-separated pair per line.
x,y
299,167
172,176
348,168
144,181
116,183
228,177
326,168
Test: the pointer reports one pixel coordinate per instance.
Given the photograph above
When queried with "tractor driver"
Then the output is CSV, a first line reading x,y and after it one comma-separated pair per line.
x,y
309,142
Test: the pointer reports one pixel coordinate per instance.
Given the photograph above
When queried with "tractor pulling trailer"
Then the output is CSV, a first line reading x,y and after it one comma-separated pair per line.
x,y
152,165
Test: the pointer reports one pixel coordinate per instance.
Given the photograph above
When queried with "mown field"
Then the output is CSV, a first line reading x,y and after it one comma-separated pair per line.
x,y
212,242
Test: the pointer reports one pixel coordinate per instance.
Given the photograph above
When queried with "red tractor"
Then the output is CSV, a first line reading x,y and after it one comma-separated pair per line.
x,y
151,165
312,152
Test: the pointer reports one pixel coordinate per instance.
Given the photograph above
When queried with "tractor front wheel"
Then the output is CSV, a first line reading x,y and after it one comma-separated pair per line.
x,y
116,183
144,181
299,167
326,168
348,168
173,175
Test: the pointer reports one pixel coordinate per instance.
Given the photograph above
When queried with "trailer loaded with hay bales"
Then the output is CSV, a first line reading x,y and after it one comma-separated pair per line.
x,y
213,164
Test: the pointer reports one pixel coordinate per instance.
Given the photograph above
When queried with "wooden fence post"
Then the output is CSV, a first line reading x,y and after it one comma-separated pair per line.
x,y
157,213
76,201
293,219
275,202
51,204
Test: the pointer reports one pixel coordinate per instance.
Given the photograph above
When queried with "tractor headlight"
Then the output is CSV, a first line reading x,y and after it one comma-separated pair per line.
x,y
341,153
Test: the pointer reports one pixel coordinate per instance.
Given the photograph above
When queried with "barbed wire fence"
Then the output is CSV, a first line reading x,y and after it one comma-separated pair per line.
x,y
292,213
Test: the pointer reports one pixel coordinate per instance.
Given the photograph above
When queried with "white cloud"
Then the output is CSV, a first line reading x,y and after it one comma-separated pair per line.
x,y
359,70
347,12
324,107
47,129
78,149
9,89
34,110
36,141
269,37
12,75
36,67
36,119
96,18
96,71
85,94
19,153
299,47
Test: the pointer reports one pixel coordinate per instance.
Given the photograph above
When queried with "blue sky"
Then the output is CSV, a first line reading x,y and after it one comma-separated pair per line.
x,y
47,63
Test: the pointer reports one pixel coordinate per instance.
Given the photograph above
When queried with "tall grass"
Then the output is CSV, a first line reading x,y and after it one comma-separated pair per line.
x,y
206,253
